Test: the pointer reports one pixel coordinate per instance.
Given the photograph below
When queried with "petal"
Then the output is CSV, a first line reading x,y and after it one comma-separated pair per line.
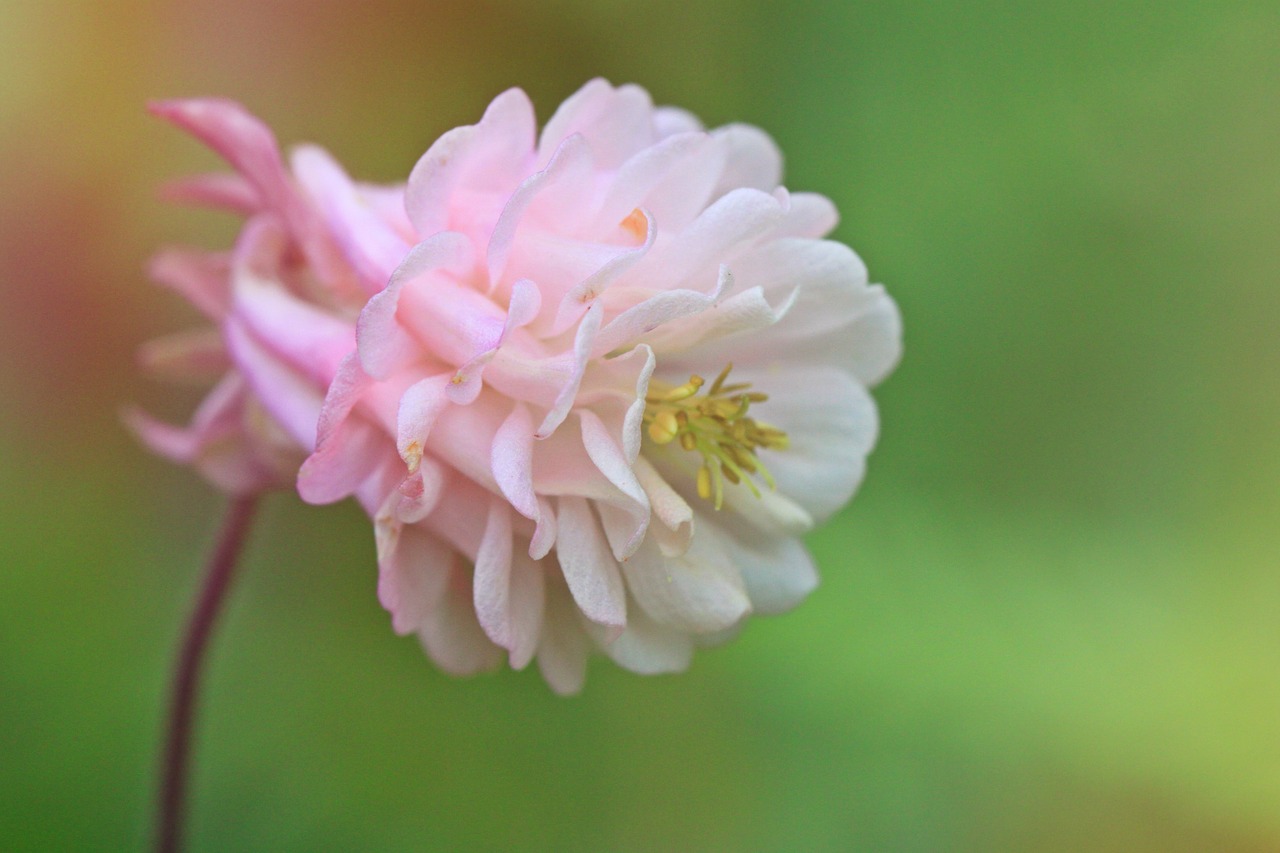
x,y
647,648
218,190
292,399
674,532
512,461
588,567
420,406
562,646
492,587
808,215
777,571
832,425
527,605
734,219
202,278
236,135
311,341
752,160
697,592
492,155
837,318
615,122
383,343
624,529
352,454
196,354
571,164
639,321
412,578
370,244
451,633
582,344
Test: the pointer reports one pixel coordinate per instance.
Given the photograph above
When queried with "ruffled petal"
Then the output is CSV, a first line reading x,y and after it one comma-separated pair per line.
x,y
589,568
697,592
451,633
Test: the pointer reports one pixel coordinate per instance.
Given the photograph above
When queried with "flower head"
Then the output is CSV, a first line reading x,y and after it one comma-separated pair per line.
x,y
605,378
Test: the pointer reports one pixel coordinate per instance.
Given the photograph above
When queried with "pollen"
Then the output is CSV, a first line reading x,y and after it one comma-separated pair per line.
x,y
714,423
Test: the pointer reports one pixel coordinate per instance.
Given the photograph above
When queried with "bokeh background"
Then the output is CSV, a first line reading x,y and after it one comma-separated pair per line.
x,y
1049,621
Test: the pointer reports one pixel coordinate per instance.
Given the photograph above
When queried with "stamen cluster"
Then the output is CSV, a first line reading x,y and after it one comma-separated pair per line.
x,y
717,427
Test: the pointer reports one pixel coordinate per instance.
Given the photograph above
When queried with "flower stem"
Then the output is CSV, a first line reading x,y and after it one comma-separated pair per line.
x,y
182,700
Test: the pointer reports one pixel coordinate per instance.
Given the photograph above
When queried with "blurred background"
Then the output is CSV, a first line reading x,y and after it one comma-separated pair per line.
x,y
1048,621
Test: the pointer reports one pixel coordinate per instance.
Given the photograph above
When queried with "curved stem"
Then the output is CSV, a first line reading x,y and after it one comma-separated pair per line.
x,y
182,700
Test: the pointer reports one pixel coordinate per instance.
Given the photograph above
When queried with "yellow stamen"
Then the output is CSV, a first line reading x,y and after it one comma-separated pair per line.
x,y
716,425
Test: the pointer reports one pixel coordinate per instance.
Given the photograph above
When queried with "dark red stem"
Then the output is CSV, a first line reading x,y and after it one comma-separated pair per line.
x,y
182,702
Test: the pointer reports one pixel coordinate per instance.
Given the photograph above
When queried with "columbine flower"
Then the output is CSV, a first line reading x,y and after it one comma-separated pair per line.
x,y
614,375
592,387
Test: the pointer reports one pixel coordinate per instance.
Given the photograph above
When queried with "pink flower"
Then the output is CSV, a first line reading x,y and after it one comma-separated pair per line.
x,y
592,386
613,382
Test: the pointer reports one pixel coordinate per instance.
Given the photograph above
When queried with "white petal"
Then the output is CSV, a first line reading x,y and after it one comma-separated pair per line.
x,y
776,571
646,647
527,605
563,646
697,592
753,159
492,587
832,425
589,568
625,528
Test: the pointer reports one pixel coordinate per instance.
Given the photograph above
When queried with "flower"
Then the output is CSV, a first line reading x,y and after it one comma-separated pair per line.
x,y
592,385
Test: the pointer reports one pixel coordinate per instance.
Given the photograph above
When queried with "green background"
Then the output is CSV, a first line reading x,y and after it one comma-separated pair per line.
x,y
1047,622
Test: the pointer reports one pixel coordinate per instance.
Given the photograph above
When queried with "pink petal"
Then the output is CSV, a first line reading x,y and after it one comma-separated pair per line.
x,y
384,345
196,354
616,122
420,406
451,633
412,579
571,159
220,190
369,243
350,456
752,160
203,278
732,220
492,155
293,399
576,302
242,140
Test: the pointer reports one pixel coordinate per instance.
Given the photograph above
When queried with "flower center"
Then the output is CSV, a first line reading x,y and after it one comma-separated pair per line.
x,y
715,424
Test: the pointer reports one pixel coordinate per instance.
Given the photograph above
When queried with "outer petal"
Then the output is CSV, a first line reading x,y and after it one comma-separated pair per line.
x,y
452,635
589,568
698,592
